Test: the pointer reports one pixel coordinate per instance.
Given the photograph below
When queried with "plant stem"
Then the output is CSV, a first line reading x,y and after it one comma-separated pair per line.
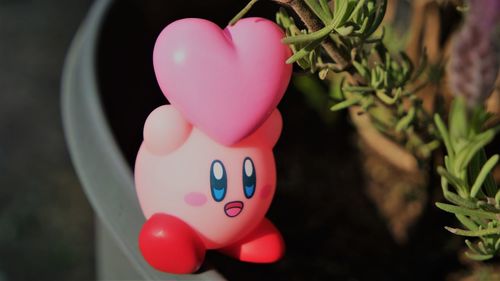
x,y
242,12
314,24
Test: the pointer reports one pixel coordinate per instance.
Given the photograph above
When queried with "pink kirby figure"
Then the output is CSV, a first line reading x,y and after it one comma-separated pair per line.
x,y
205,173
198,194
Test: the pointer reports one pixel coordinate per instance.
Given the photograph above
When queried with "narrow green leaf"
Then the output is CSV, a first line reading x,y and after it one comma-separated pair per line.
x,y
370,17
478,257
377,77
455,199
362,70
378,18
323,73
464,211
458,119
242,12
309,37
473,233
345,30
356,9
477,143
303,52
362,29
487,207
319,11
474,168
408,66
326,9
348,11
284,19
312,58
361,89
343,9
302,62
443,131
472,247
370,6
497,244
388,61
497,198
490,186
433,145
448,163
336,89
344,104
482,222
467,222
485,171
340,11
444,185
458,183
404,122
388,84
385,98
481,247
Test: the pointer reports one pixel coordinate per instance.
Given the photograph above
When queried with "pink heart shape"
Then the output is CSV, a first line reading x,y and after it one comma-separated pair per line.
x,y
225,82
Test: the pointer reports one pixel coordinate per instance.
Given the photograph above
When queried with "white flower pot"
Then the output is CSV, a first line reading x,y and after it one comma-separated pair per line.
x,y
106,177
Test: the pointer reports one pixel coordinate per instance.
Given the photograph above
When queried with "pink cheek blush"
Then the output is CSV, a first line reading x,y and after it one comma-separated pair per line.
x,y
265,191
195,199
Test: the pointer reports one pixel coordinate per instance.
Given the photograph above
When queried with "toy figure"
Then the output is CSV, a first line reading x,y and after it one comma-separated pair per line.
x,y
205,173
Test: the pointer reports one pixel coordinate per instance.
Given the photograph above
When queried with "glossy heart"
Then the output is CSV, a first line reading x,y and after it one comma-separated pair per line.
x,y
225,82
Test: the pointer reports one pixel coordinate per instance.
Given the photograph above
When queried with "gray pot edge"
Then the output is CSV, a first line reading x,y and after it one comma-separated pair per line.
x,y
105,176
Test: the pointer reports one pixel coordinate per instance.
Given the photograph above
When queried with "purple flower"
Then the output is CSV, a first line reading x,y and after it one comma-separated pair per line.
x,y
474,61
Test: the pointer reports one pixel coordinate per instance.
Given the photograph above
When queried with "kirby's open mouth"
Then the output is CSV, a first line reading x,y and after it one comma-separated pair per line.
x,y
233,208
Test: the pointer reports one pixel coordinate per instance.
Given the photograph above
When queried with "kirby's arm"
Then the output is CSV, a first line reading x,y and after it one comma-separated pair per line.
x,y
165,130
170,245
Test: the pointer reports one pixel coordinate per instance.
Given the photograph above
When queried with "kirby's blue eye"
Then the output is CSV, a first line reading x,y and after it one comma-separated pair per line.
x,y
218,180
249,177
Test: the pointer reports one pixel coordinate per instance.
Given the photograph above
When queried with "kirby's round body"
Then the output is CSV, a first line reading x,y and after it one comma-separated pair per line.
x,y
221,192
197,194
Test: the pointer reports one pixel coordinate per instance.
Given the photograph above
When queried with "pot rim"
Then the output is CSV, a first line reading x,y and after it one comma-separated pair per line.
x,y
106,178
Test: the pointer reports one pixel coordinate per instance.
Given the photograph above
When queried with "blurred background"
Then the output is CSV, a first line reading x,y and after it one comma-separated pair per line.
x,y
344,215
46,223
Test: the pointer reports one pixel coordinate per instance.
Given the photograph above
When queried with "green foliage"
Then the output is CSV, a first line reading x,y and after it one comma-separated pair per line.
x,y
305,54
380,80
384,84
475,197
348,26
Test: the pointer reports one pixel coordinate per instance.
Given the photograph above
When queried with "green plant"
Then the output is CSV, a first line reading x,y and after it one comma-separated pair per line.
x,y
342,42
475,197
381,84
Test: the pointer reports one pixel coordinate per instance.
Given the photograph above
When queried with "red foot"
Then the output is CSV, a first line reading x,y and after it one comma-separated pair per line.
x,y
170,245
263,245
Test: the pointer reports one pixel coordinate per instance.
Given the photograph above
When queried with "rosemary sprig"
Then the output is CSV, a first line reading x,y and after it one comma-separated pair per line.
x,y
476,198
377,81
